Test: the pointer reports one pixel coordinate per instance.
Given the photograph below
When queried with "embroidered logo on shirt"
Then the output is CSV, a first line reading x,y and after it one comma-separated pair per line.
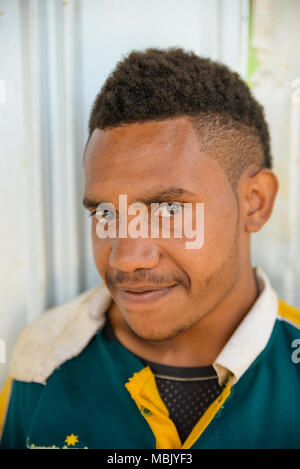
x,y
71,441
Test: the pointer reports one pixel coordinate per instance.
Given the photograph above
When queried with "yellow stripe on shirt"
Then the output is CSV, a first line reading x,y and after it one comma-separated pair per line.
x,y
289,313
4,400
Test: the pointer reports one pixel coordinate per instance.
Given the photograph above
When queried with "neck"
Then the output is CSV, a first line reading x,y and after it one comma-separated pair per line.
x,y
201,344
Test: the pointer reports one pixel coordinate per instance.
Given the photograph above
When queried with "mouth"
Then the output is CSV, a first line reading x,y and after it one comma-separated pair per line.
x,y
144,294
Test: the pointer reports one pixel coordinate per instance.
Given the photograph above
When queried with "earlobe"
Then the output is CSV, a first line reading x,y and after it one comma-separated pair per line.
x,y
261,190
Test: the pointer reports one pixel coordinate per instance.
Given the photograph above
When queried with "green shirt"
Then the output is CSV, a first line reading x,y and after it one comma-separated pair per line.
x,y
85,403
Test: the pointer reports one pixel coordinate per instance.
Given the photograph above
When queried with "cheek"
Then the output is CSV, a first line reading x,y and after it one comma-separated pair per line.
x,y
220,243
221,229
101,249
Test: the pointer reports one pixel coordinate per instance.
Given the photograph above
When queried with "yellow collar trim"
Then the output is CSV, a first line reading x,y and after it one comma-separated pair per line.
x,y
4,401
289,313
207,416
143,390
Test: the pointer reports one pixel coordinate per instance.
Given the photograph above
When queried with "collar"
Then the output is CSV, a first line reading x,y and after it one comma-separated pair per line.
x,y
63,332
252,334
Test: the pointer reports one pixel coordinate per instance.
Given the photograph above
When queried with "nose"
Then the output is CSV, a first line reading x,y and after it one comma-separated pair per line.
x,y
129,254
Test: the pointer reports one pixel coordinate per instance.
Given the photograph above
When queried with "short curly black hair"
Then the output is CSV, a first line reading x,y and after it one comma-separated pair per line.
x,y
160,84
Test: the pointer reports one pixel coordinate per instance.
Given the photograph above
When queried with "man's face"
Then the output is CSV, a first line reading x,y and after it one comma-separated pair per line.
x,y
141,161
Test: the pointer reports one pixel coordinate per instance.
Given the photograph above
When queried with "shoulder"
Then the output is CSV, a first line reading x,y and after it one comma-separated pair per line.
x,y
288,314
59,334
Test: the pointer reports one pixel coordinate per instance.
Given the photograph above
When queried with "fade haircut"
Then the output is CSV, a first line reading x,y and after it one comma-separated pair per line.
x,y
155,85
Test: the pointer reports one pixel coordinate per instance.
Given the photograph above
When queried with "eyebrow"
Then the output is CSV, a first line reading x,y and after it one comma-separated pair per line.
x,y
166,195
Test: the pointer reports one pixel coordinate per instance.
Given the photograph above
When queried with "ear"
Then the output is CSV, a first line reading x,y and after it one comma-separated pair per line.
x,y
258,195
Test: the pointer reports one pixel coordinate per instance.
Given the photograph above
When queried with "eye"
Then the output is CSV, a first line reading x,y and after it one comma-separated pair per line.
x,y
168,209
104,213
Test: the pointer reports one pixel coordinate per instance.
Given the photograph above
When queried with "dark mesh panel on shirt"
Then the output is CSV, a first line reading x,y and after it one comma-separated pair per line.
x,y
187,401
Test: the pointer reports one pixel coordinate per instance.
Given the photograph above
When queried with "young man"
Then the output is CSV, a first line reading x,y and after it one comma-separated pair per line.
x,y
185,346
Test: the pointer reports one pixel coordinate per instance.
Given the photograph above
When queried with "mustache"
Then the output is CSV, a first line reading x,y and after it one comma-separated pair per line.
x,y
145,276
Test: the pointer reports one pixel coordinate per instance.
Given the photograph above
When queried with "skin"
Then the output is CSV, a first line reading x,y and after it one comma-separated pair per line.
x,y
215,286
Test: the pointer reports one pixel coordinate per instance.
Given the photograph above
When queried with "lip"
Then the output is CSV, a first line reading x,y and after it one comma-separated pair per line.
x,y
142,288
144,294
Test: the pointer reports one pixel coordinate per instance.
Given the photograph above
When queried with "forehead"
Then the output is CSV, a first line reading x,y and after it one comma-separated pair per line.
x,y
137,157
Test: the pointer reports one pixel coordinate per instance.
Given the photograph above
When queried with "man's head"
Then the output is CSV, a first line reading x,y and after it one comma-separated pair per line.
x,y
169,126
163,84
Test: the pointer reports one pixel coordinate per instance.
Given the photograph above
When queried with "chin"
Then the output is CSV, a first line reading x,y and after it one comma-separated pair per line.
x,y
157,334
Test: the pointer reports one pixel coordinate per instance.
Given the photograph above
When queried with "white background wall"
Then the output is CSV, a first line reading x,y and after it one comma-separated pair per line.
x,y
54,57
276,37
